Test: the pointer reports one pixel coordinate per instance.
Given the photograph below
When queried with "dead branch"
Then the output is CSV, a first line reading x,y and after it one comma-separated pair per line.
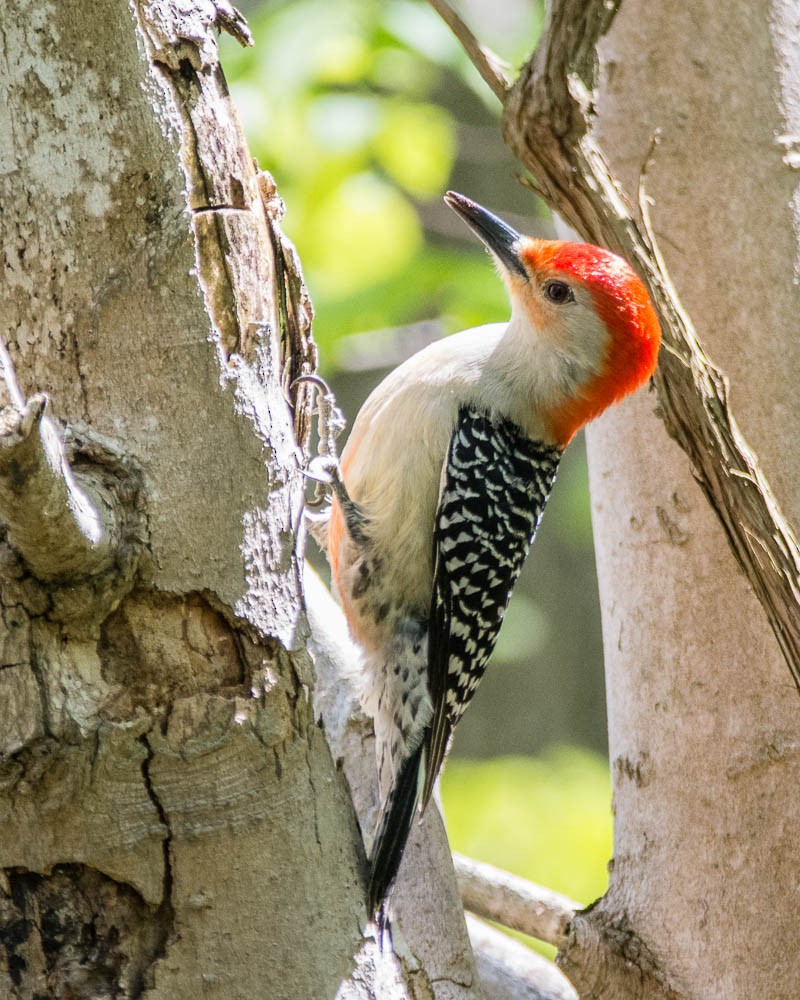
x,y
497,895
63,529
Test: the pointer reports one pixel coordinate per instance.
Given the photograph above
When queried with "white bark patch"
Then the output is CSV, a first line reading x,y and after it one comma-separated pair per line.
x,y
72,148
785,35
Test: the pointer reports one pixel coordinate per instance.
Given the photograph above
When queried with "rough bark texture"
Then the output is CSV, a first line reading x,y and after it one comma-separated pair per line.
x,y
703,715
172,822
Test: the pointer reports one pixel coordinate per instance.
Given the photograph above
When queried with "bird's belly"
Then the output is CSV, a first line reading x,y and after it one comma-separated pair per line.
x,y
388,572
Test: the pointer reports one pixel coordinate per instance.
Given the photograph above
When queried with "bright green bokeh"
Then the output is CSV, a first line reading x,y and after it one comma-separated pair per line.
x,y
350,106
416,145
546,818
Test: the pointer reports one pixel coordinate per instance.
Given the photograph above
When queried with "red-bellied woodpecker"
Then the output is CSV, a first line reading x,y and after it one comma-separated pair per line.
x,y
442,485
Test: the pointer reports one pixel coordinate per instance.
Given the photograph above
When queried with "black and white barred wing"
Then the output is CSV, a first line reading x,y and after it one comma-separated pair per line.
x,y
495,484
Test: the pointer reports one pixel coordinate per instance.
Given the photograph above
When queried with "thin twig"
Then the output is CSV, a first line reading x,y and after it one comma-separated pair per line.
x,y
513,902
488,64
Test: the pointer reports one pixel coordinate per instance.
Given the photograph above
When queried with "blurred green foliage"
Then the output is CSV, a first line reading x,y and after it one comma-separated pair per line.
x,y
354,107
547,819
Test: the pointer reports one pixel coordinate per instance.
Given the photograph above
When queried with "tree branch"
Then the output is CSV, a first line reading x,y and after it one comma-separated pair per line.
x,y
594,947
547,124
510,971
489,65
497,895
63,529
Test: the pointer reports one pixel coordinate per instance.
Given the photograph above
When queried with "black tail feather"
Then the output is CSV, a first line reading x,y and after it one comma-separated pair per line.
x,y
393,830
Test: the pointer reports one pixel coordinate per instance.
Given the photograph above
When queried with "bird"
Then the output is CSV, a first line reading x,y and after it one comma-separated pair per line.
x,y
441,486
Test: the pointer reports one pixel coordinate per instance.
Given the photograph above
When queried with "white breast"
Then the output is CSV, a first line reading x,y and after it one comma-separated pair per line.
x,y
393,461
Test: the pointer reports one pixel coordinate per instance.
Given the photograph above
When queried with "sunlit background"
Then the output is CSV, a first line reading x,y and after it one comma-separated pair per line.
x,y
366,111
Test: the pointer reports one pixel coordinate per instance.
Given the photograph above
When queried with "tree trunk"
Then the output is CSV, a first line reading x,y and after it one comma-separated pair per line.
x,y
172,821
703,714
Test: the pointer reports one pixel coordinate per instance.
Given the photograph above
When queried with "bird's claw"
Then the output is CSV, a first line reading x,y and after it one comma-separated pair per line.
x,y
324,472
324,469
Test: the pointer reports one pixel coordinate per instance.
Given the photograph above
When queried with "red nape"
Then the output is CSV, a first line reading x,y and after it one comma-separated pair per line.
x,y
623,304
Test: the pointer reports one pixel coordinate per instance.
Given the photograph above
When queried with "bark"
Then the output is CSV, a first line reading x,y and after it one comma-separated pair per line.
x,y
172,822
159,751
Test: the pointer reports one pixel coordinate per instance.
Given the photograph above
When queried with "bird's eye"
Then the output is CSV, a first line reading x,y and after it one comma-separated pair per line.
x,y
558,292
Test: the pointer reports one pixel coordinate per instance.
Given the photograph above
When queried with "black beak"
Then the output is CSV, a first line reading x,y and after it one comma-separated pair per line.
x,y
501,239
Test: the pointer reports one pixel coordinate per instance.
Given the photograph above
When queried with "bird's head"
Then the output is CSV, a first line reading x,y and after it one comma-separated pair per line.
x,y
586,304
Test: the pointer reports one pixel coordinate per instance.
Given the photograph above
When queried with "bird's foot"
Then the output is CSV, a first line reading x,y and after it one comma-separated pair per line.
x,y
324,470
